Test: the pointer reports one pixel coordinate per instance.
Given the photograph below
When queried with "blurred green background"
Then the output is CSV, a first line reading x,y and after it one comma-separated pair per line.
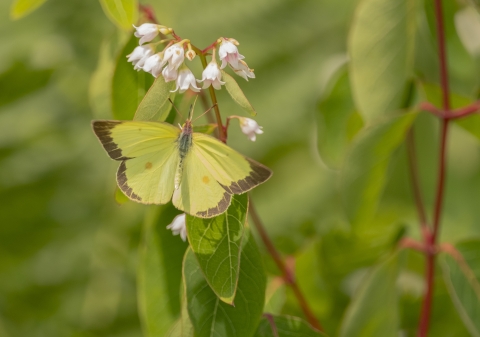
x,y
68,252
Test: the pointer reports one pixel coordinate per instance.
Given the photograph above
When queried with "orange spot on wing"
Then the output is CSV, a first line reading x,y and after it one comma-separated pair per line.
x,y
148,165
205,179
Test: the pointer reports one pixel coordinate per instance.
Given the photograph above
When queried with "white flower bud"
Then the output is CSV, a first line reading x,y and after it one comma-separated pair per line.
x,y
185,80
250,128
212,76
146,32
178,226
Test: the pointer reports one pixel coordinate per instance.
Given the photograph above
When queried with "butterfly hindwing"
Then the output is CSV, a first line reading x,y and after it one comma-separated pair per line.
x,y
199,194
234,172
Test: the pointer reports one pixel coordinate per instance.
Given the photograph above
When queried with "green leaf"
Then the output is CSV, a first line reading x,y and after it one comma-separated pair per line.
x,y
217,243
13,83
286,326
462,277
433,94
212,317
120,197
159,272
123,13
237,94
155,105
20,8
183,326
128,85
364,173
381,47
207,128
275,296
374,311
337,121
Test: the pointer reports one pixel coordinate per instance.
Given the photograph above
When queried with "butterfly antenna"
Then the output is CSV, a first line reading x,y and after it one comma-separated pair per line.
x,y
192,107
176,108
213,106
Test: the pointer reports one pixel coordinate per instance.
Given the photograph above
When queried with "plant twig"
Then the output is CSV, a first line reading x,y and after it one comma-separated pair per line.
x,y
287,273
431,236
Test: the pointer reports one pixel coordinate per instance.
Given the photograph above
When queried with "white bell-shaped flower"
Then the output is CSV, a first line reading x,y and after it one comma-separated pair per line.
x,y
185,80
139,55
146,32
154,64
178,226
169,74
212,76
243,70
174,55
228,53
250,127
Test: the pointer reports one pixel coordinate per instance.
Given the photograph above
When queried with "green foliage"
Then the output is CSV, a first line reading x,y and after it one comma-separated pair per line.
x,y
155,105
285,326
337,121
365,171
381,48
212,317
237,94
462,277
123,13
159,271
217,244
374,309
20,8
129,87
13,90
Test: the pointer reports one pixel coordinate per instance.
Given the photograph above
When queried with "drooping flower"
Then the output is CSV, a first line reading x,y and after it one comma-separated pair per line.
x,y
228,53
169,74
154,64
212,76
185,80
174,55
139,55
178,226
250,127
243,70
146,32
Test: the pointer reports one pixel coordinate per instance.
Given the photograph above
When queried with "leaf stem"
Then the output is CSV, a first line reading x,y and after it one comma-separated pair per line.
x,y
431,236
288,276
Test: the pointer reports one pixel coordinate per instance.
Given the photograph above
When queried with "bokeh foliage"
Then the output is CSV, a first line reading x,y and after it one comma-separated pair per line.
x,y
69,254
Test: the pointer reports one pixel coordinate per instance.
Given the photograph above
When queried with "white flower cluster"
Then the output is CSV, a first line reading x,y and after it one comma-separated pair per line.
x,y
170,62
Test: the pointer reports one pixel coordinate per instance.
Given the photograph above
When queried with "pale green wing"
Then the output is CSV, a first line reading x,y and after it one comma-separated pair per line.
x,y
149,156
234,172
199,194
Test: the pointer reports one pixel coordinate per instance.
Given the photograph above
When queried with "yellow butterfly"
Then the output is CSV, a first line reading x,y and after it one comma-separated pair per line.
x,y
160,162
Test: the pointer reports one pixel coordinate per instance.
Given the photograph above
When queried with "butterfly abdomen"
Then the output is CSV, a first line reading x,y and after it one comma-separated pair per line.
x,y
184,145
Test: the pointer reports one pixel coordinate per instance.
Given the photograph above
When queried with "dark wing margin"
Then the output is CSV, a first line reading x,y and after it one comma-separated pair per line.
x,y
217,210
122,182
258,174
103,131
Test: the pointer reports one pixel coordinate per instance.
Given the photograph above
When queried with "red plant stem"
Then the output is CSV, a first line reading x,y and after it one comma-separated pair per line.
x,y
431,236
287,273
412,163
455,114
